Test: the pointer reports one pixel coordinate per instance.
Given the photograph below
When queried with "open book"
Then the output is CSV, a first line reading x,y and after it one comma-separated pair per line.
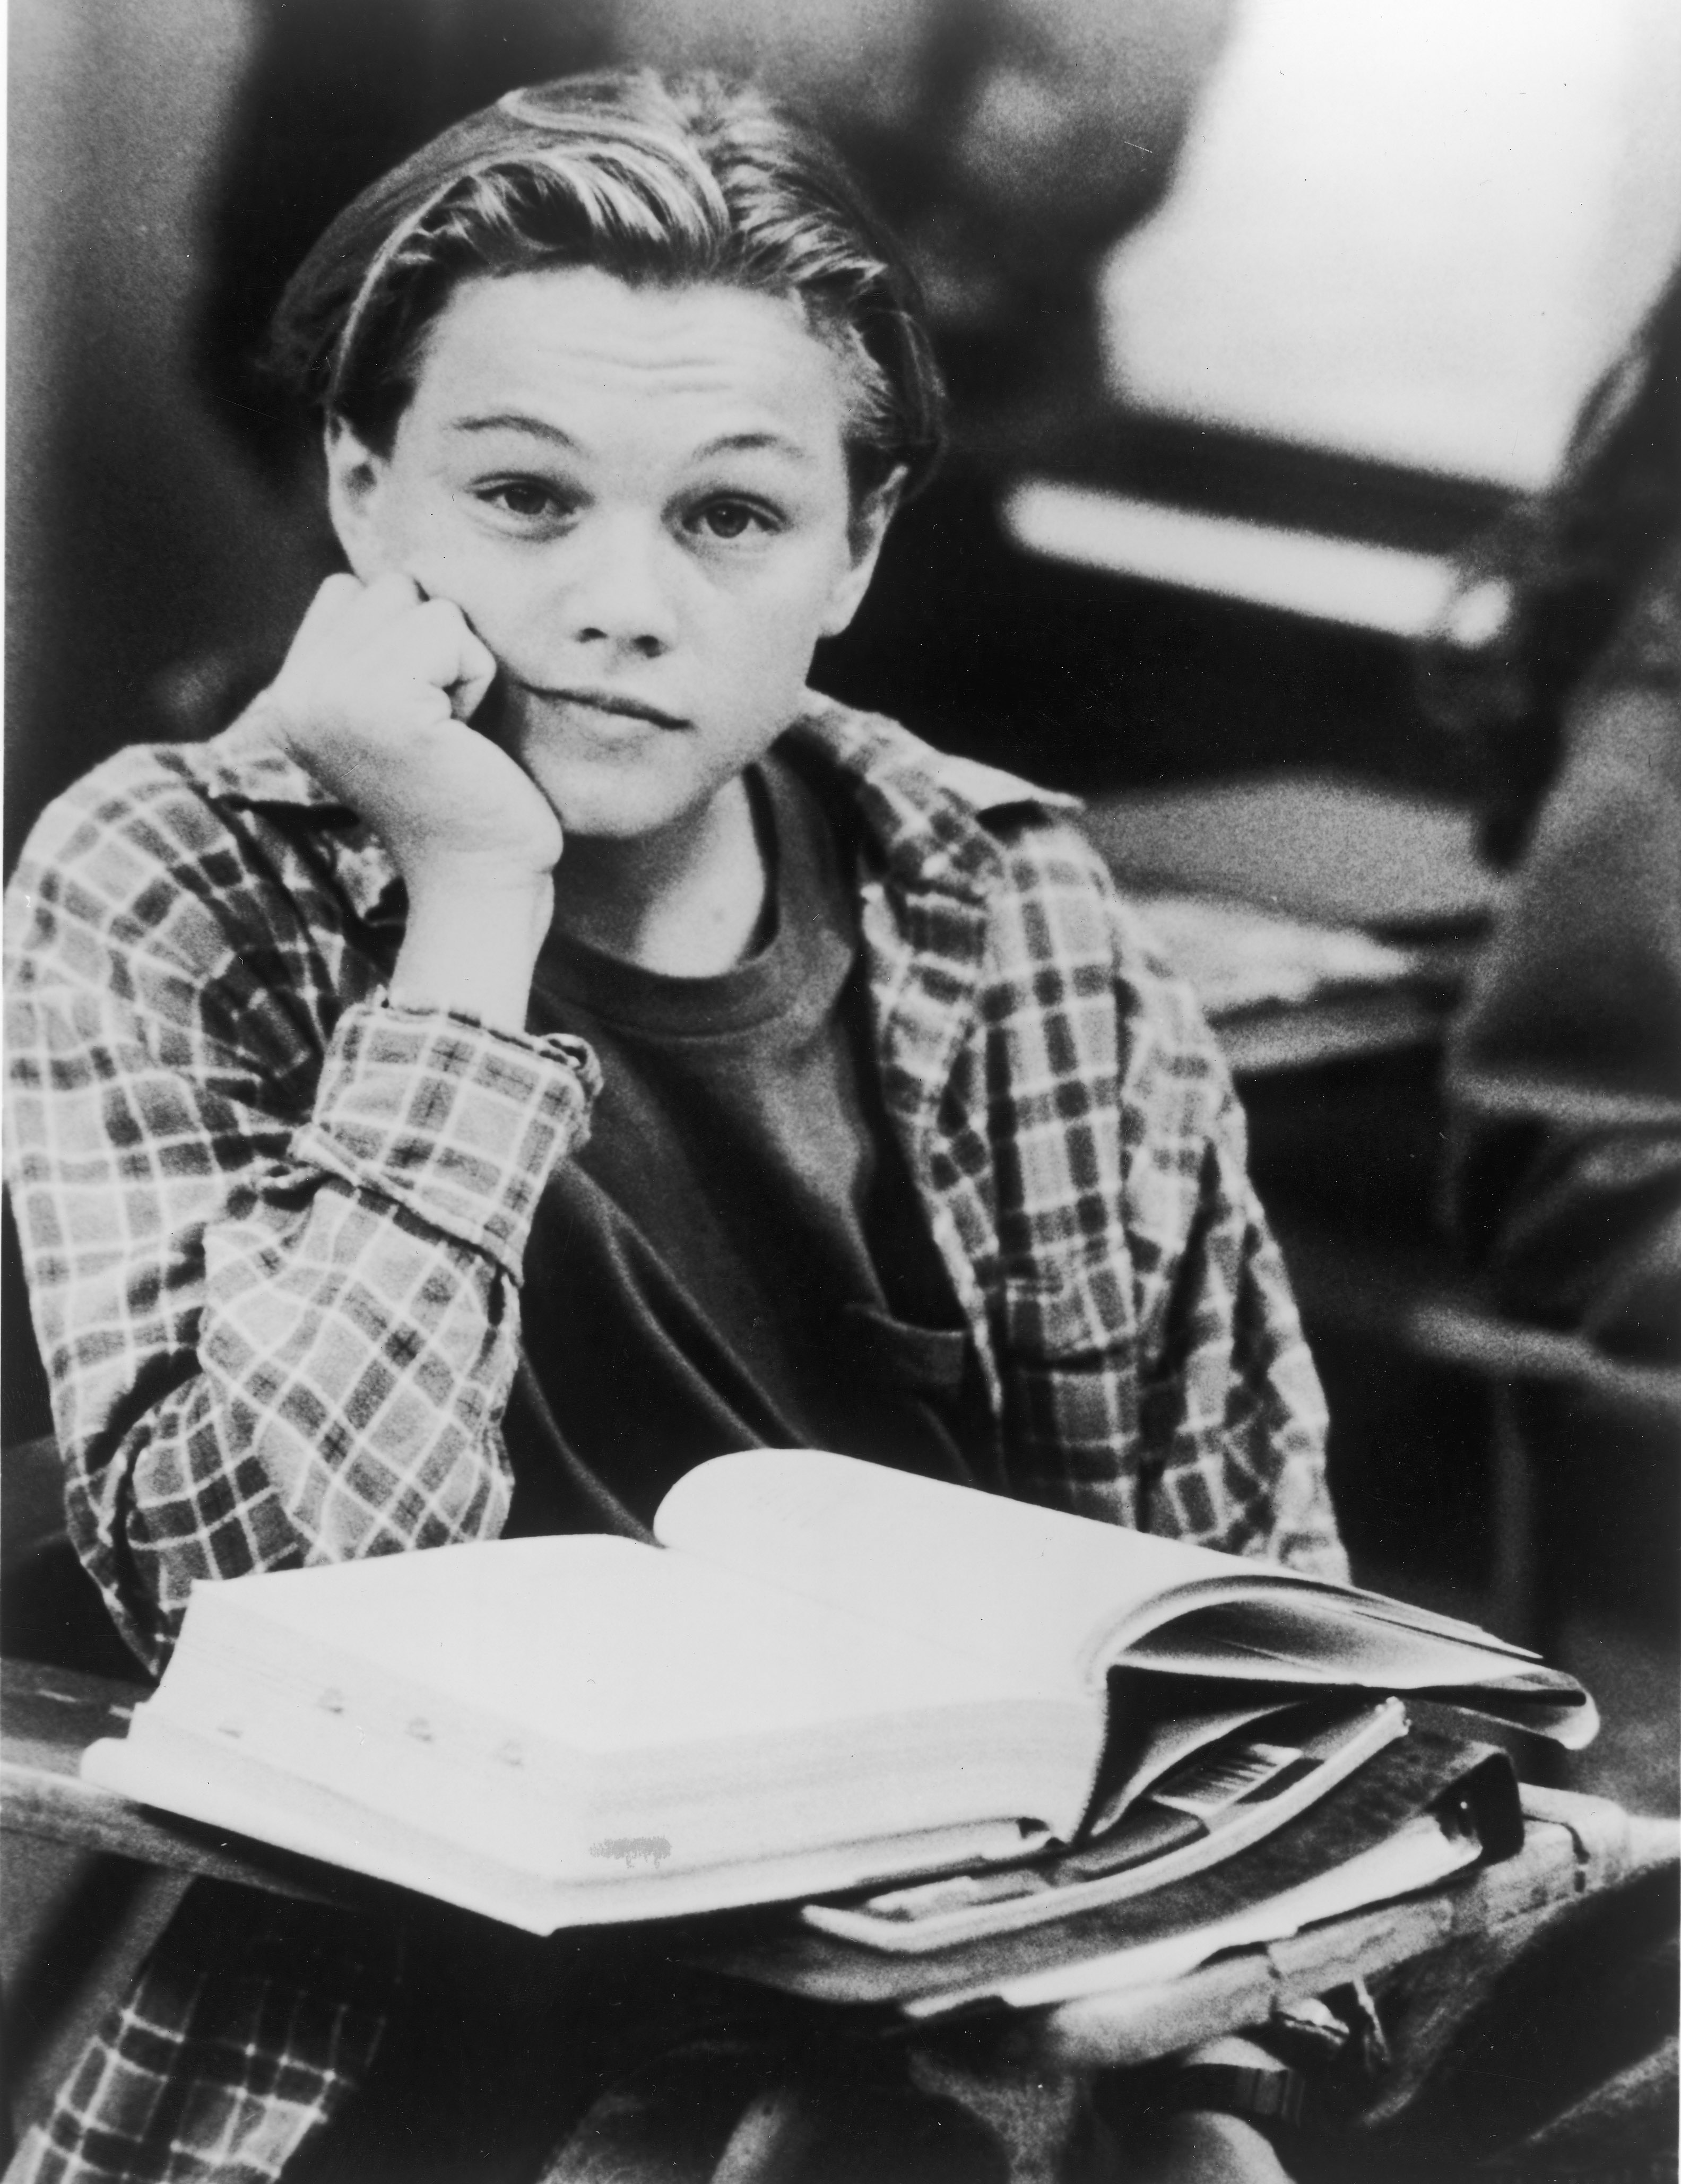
x,y
833,1674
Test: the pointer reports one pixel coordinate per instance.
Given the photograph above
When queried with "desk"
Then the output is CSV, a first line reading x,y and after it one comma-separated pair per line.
x,y
1311,845
48,1717
1574,1846
1338,1027
1265,888
1267,894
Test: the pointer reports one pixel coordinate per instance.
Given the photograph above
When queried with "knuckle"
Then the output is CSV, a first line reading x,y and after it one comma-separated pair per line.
x,y
335,599
443,615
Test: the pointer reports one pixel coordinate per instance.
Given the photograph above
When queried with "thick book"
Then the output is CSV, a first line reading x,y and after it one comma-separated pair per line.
x,y
826,1675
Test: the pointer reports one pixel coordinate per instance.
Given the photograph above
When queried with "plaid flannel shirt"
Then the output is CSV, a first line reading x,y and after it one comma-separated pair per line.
x,y
274,1229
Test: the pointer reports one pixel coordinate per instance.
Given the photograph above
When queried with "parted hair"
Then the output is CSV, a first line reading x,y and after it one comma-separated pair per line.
x,y
659,183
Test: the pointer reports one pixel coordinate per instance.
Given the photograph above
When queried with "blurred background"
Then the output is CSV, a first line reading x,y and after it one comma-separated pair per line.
x,y
1270,325
1348,270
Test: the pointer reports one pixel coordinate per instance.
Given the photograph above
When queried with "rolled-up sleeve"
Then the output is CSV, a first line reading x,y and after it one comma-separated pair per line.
x,y
273,1241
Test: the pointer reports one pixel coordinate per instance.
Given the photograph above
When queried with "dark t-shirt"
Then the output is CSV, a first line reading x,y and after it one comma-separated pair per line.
x,y
737,1257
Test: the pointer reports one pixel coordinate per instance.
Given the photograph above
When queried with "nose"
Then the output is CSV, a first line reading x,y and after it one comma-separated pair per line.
x,y
617,594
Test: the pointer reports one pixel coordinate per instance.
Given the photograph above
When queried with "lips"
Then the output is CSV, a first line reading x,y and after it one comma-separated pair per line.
x,y
617,703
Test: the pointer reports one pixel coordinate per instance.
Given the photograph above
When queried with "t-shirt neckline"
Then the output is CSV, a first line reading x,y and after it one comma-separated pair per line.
x,y
807,907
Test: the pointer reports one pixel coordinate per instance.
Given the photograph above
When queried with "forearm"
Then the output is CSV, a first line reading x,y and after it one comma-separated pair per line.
x,y
320,1419
471,945
313,1366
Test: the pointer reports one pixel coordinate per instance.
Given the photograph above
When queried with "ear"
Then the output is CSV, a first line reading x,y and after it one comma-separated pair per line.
x,y
356,488
871,514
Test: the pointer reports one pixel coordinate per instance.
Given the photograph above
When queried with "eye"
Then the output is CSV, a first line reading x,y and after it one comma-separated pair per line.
x,y
727,519
528,499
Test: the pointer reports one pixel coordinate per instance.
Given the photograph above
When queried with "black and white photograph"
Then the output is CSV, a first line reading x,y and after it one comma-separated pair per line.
x,y
840,1253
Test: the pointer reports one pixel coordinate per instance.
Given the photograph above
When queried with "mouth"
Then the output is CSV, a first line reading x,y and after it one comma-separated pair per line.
x,y
613,702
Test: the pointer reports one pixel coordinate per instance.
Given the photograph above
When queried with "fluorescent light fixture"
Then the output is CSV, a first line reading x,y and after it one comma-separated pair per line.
x,y
1341,580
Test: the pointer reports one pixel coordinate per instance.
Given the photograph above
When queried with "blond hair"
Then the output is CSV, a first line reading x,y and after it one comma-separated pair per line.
x,y
673,184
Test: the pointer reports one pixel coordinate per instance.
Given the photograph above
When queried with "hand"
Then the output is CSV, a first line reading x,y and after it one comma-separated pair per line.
x,y
374,700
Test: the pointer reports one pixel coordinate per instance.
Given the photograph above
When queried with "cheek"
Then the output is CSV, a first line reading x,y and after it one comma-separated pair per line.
x,y
780,615
761,667
428,533
502,595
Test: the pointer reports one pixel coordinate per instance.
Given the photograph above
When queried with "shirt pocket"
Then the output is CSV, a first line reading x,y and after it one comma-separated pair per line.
x,y
923,1361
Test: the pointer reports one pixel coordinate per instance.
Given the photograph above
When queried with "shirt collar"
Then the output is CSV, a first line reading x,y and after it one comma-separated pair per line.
x,y
924,808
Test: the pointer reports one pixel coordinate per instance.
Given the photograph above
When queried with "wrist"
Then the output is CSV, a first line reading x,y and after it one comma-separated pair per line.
x,y
471,945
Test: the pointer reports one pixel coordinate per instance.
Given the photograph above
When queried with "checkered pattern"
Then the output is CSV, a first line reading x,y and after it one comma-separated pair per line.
x,y
1082,1158
274,1226
282,2007
274,1230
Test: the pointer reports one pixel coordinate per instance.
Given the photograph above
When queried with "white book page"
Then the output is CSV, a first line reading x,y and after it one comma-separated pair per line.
x,y
1055,1598
599,1644
1051,1596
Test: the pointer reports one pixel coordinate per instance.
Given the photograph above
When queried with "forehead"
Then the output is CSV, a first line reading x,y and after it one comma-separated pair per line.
x,y
571,346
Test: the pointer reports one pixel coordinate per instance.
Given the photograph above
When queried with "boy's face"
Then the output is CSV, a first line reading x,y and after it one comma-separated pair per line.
x,y
639,498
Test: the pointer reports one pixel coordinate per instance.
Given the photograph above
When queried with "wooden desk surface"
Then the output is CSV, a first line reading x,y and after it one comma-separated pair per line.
x,y
48,1717
1339,1028
1574,1845
1314,845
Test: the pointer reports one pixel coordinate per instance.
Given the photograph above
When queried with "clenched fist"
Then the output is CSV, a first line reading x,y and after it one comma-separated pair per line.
x,y
374,701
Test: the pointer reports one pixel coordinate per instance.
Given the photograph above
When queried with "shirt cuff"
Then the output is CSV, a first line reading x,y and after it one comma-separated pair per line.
x,y
459,1125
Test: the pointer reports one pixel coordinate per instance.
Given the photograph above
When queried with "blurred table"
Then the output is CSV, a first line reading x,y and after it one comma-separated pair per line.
x,y
1318,918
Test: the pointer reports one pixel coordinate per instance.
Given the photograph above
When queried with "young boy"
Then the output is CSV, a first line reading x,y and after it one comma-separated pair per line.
x,y
542,1043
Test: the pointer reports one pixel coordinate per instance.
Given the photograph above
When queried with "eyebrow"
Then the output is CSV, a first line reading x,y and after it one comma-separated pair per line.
x,y
513,420
518,420
737,443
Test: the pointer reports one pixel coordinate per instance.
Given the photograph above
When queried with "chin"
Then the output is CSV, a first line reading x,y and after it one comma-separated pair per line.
x,y
620,810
